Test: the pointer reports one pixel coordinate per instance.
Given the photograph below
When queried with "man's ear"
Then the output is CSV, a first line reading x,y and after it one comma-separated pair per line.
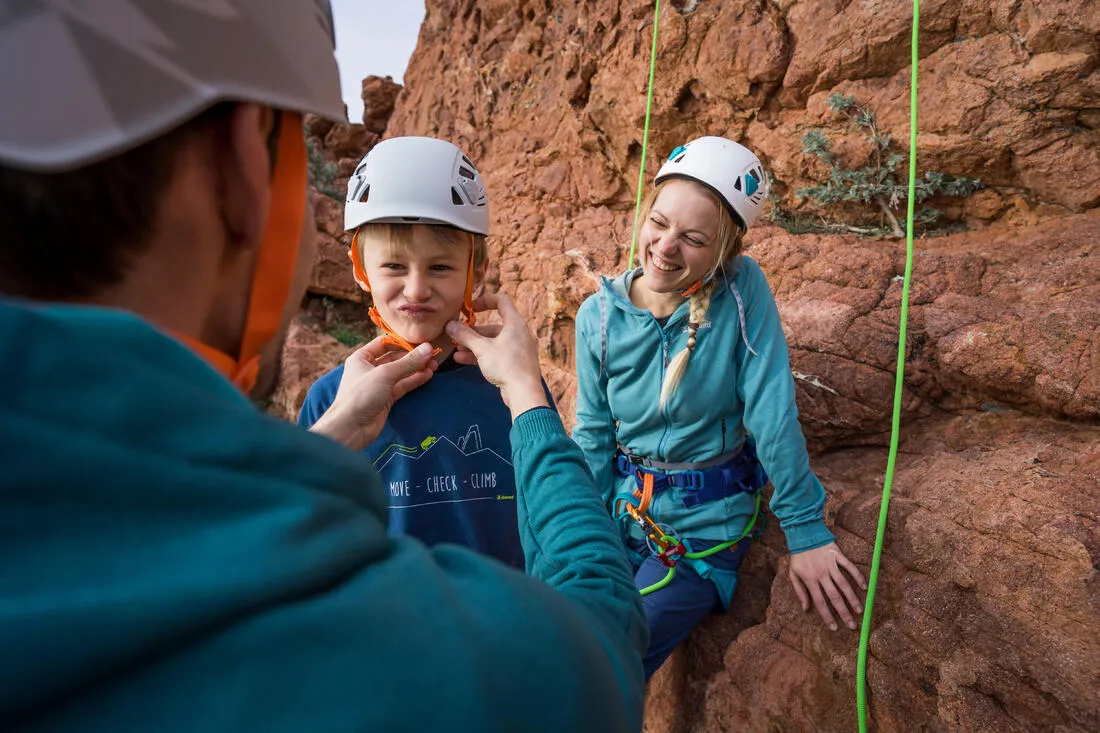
x,y
245,169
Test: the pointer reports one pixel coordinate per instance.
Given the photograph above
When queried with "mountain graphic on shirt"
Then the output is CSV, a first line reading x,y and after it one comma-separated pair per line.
x,y
468,445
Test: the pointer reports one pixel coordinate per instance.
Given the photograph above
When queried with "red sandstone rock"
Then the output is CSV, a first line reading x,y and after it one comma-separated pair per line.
x,y
379,95
308,354
985,617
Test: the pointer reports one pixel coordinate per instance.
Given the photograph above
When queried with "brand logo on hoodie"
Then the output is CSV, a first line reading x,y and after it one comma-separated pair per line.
x,y
704,324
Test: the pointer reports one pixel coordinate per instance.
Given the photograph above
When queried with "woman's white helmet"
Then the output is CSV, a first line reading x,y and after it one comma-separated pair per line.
x,y
729,169
417,180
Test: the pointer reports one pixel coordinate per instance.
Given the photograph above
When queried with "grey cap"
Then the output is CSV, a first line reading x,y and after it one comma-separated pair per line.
x,y
82,81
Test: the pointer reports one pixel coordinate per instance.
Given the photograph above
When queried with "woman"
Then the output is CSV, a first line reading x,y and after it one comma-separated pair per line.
x,y
684,380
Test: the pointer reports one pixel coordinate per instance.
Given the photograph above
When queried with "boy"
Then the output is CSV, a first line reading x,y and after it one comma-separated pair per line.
x,y
420,215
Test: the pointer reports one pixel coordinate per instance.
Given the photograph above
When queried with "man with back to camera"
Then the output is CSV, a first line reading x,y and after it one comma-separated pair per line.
x,y
172,559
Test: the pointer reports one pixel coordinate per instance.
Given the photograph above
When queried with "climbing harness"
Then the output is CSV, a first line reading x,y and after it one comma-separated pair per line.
x,y
390,337
726,475
895,420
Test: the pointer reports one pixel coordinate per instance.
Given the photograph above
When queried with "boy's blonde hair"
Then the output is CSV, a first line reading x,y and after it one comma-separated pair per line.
x,y
401,236
730,240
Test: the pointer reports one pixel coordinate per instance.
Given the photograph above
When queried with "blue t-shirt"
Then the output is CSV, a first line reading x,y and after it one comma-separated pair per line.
x,y
445,461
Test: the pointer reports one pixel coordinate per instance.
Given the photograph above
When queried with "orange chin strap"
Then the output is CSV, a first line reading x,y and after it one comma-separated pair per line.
x,y
276,261
391,337
691,291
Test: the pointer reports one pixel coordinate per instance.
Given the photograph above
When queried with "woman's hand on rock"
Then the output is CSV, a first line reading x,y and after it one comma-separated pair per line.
x,y
820,578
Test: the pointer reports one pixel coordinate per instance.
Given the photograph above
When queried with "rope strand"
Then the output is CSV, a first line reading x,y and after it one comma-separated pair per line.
x,y
895,423
645,134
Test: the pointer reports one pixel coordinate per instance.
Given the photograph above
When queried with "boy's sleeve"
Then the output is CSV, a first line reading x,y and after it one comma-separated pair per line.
x,y
594,430
766,387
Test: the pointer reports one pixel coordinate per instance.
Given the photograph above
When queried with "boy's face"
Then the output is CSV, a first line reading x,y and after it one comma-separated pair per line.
x,y
419,288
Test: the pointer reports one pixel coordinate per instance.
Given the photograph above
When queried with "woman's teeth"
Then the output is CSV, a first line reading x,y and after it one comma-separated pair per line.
x,y
662,264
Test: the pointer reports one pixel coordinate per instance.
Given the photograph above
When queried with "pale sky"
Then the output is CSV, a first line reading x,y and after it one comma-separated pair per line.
x,y
373,37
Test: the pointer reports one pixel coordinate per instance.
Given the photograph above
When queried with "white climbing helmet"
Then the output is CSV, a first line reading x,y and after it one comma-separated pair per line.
x,y
417,180
729,169
84,81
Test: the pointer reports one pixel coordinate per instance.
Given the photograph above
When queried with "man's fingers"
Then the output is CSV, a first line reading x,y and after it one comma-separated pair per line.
x,y
507,309
411,382
410,363
489,330
389,356
462,356
485,302
465,336
372,351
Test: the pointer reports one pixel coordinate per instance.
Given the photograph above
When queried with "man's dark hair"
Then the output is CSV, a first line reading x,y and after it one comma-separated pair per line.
x,y
65,236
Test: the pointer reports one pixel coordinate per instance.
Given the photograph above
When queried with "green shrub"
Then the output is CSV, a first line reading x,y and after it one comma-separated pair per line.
x,y
879,183
346,334
322,173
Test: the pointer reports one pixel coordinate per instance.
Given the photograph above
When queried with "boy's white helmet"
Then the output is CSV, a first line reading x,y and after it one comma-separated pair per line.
x,y
729,169
417,180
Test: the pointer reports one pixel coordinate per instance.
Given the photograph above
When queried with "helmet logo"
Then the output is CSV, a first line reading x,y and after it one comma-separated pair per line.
x,y
751,184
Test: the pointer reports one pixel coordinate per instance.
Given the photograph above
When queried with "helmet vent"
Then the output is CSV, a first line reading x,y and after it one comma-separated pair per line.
x,y
366,194
466,172
737,184
468,162
456,197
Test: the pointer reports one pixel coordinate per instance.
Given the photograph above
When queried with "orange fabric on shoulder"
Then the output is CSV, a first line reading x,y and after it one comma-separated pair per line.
x,y
276,261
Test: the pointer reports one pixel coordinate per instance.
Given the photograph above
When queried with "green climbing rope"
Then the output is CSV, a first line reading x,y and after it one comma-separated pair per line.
x,y
865,633
645,133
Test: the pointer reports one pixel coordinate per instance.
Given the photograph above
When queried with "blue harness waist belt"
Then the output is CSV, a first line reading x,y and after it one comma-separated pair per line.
x,y
728,474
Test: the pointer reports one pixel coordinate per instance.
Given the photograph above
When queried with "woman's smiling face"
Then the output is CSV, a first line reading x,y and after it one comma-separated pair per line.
x,y
679,238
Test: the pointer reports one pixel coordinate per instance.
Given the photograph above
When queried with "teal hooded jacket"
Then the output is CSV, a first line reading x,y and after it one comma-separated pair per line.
x,y
738,379
171,559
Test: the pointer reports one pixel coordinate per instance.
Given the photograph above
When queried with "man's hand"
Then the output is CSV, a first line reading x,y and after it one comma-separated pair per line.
x,y
817,577
374,378
507,354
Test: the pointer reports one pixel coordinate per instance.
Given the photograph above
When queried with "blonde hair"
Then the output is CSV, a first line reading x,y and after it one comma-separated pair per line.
x,y
401,235
730,239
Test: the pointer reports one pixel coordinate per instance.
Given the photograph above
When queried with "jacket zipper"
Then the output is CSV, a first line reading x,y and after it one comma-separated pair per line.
x,y
663,410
